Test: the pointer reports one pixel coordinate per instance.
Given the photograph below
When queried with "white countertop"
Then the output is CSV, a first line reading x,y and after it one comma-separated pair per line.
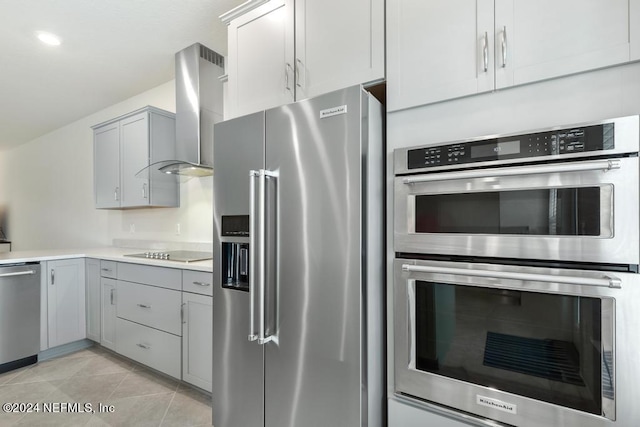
x,y
110,254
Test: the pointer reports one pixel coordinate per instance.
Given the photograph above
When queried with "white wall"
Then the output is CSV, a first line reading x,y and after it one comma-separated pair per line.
x,y
46,190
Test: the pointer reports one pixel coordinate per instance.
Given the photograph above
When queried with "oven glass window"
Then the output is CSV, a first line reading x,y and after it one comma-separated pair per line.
x,y
537,345
542,212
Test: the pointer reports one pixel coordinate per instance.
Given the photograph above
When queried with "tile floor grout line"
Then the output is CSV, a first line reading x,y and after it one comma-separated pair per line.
x,y
43,398
166,411
119,384
95,414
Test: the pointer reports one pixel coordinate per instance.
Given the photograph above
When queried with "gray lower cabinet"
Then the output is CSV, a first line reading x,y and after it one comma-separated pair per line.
x,y
108,316
160,317
148,310
197,328
123,147
108,304
66,301
93,298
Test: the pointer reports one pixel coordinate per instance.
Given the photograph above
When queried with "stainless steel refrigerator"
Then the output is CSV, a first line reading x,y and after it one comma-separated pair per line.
x,y
298,265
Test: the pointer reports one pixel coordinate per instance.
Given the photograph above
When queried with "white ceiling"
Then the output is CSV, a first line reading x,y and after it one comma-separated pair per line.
x,y
111,50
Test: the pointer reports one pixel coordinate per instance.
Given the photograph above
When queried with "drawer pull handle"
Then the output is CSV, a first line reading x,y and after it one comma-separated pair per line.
x,y
146,347
108,270
144,306
202,284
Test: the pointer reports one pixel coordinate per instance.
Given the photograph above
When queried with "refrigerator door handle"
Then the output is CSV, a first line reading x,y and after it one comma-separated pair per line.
x,y
253,252
263,336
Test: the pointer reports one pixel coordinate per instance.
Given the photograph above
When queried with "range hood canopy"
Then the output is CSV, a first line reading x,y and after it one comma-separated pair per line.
x,y
181,167
198,107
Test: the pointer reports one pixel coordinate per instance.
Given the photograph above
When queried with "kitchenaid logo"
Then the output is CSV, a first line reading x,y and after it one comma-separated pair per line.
x,y
496,404
333,111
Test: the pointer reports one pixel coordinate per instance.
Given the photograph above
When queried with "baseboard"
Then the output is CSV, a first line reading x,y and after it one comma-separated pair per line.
x,y
64,349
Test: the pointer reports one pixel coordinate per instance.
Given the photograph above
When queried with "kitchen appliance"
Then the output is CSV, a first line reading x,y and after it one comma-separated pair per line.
x,y
199,97
526,346
298,271
179,256
515,275
567,193
20,315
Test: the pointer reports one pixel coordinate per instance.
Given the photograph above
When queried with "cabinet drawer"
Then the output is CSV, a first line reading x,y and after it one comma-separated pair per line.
x,y
156,349
157,276
108,269
150,306
198,282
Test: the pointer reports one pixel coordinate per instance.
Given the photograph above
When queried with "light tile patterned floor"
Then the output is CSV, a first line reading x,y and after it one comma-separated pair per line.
x,y
139,396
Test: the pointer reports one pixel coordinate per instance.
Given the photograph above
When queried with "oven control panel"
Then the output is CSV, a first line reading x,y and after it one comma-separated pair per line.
x,y
550,143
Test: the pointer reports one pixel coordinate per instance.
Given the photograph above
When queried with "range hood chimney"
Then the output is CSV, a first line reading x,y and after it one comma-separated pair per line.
x,y
198,106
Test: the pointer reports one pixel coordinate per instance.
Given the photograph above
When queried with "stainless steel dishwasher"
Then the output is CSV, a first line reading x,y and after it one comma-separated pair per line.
x,y
19,315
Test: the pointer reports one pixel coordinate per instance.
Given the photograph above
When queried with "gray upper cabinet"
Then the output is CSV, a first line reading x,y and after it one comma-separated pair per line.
x,y
106,165
126,145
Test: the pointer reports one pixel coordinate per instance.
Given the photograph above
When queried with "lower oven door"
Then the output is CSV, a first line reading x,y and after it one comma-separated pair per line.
x,y
584,211
526,346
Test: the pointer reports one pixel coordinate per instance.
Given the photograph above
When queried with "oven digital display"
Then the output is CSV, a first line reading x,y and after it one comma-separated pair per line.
x,y
495,149
523,146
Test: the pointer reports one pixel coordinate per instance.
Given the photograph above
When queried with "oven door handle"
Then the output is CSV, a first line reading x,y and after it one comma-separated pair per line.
x,y
603,165
606,280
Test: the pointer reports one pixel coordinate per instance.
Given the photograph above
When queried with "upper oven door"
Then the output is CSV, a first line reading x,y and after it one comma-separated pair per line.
x,y
583,211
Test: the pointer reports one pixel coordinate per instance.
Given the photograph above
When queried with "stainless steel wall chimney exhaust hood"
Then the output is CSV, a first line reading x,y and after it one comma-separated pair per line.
x,y
198,106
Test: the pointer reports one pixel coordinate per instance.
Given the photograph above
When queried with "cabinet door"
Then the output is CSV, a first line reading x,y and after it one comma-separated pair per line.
x,y
92,280
108,318
163,188
197,340
66,301
134,143
106,152
438,50
550,38
337,44
261,61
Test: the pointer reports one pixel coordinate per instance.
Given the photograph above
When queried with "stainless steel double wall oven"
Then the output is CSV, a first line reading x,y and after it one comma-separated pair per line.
x,y
516,286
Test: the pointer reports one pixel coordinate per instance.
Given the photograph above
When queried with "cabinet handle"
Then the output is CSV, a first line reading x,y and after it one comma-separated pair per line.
x,y
115,193
202,284
53,277
298,65
485,53
111,296
144,306
144,190
182,316
108,270
504,46
146,347
286,76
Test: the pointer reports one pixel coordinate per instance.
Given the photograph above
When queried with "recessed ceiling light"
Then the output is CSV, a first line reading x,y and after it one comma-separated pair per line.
x,y
48,38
